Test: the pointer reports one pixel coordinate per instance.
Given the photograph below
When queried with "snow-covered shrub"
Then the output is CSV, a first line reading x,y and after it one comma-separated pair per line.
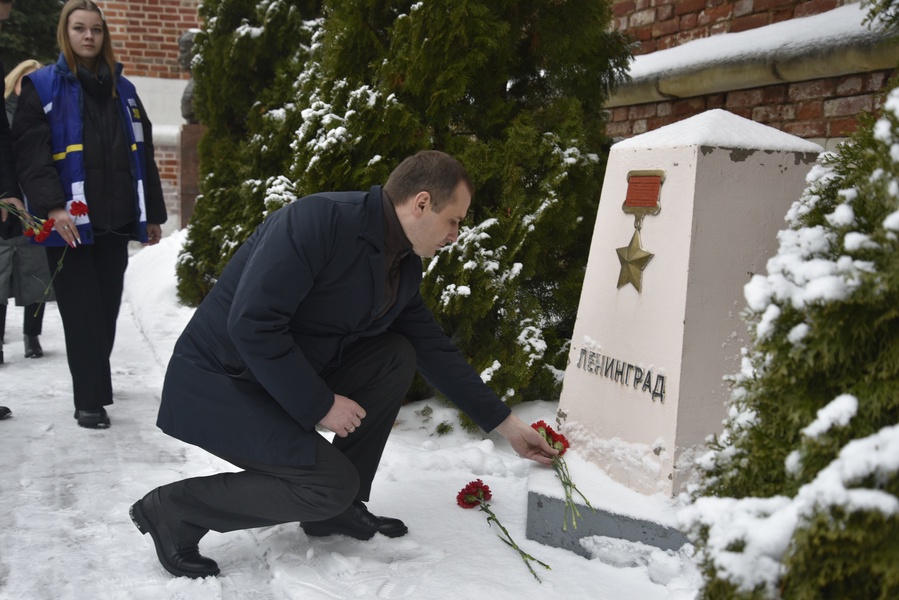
x,y
300,97
800,496
246,57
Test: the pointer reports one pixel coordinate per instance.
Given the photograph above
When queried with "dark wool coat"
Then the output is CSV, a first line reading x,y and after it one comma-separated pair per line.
x,y
24,272
9,185
244,379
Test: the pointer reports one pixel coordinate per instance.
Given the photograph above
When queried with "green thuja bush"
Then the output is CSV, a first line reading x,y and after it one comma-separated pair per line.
x,y
30,33
347,89
246,58
883,13
800,496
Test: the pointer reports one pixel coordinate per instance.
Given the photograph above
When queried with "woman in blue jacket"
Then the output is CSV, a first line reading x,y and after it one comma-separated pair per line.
x,y
87,162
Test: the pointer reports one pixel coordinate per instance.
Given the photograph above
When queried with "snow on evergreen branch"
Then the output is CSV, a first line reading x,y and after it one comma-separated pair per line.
x,y
531,339
837,413
748,537
835,263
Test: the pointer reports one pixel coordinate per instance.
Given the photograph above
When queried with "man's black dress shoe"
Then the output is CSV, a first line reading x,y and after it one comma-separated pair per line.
x,y
356,522
5,413
179,557
92,418
33,347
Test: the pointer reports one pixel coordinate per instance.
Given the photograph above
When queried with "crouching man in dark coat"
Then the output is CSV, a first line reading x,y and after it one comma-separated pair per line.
x,y
317,320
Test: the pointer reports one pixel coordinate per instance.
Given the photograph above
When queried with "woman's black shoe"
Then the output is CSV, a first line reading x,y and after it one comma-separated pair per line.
x,y
33,347
5,413
356,522
92,418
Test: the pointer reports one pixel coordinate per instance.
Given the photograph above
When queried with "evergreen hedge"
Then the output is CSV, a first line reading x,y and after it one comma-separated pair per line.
x,y
30,33
300,97
800,495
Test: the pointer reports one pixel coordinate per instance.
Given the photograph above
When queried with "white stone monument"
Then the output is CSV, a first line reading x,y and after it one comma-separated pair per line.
x,y
688,213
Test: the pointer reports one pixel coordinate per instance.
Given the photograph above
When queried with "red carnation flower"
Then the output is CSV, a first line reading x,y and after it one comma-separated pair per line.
x,y
476,493
473,494
552,437
560,443
39,230
78,208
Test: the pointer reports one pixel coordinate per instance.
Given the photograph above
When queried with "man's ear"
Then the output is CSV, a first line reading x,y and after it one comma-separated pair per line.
x,y
421,203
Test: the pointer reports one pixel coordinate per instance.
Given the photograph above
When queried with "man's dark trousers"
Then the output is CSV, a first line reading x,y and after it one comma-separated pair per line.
x,y
376,373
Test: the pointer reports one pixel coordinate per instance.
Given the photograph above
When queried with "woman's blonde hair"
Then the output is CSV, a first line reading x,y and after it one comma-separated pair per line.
x,y
62,35
23,68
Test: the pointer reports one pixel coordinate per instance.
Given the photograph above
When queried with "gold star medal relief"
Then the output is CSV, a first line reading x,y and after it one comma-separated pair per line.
x,y
642,198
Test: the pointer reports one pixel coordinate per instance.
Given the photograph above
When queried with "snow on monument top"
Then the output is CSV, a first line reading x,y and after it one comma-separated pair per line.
x,y
720,129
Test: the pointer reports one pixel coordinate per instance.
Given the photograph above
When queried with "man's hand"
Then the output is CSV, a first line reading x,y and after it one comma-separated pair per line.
x,y
154,234
526,441
344,417
13,201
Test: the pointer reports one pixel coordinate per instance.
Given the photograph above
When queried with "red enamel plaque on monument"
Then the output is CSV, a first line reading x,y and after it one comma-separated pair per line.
x,y
643,191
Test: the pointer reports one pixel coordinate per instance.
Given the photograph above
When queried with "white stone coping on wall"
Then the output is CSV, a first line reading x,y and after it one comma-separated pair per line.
x,y
167,135
161,99
830,44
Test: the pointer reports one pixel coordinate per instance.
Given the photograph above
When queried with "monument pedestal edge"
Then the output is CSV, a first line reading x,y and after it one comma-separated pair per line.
x,y
546,515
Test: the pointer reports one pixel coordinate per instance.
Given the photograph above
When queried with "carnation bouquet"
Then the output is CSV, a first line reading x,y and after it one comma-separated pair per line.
x,y
33,227
560,443
40,229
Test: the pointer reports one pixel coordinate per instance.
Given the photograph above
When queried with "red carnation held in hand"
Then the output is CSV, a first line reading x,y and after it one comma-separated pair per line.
x,y
78,208
552,437
45,231
560,443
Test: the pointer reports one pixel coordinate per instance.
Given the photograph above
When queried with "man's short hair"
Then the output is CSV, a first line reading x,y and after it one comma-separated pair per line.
x,y
430,171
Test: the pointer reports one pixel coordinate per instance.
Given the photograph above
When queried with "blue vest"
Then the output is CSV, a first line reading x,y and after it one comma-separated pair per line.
x,y
60,94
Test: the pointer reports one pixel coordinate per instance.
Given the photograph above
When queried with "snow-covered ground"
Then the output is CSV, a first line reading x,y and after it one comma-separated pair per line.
x,y
65,493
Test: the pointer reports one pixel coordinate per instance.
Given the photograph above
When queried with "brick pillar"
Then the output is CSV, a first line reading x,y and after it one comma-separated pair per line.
x,y
190,163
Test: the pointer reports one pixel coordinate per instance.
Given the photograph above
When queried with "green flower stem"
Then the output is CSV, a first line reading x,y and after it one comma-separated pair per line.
x,y
29,221
50,283
527,558
561,468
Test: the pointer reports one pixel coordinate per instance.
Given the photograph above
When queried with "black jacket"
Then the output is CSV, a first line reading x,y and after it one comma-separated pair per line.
x,y
109,186
9,184
244,377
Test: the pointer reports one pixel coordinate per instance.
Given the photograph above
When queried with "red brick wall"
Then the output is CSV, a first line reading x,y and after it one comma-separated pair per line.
x,y
168,159
661,24
145,34
819,108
